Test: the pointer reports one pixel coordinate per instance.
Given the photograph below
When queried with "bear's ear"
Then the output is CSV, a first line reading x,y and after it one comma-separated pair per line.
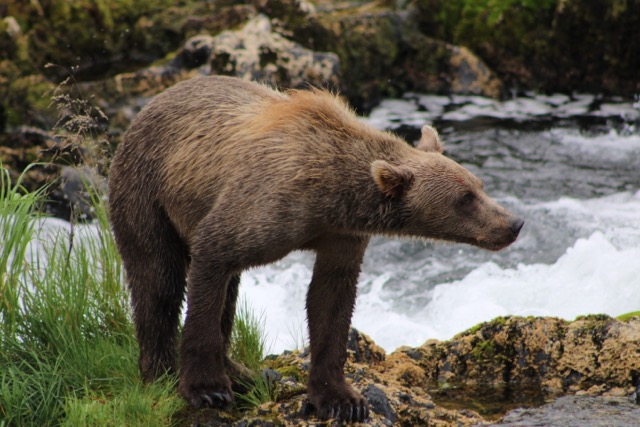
x,y
391,180
430,141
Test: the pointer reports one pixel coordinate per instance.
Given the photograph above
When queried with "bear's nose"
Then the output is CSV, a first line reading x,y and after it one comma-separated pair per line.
x,y
516,226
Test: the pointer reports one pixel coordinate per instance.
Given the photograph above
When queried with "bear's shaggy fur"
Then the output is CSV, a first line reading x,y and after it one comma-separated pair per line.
x,y
217,175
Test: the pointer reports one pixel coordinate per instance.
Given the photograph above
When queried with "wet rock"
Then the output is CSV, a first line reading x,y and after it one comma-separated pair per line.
x,y
271,375
571,411
71,197
379,403
362,349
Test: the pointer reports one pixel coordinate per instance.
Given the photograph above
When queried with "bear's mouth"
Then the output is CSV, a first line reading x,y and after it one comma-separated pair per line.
x,y
492,245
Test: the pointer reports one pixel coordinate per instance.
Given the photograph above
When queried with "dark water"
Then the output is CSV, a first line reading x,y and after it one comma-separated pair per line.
x,y
535,156
490,402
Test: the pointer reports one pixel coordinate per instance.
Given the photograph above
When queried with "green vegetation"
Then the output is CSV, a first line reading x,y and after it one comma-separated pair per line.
x,y
553,44
248,340
628,316
67,349
74,32
249,347
68,353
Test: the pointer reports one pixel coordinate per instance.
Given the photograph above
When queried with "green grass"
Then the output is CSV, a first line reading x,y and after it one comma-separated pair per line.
x,y
249,347
248,340
68,354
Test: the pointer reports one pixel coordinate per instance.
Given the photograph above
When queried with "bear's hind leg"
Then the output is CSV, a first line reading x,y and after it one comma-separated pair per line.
x,y
155,261
330,302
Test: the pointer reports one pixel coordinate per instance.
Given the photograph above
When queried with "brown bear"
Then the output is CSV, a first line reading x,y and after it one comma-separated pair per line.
x,y
217,175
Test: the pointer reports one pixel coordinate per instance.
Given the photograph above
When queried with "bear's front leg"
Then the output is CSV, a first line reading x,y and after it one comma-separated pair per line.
x,y
330,302
203,381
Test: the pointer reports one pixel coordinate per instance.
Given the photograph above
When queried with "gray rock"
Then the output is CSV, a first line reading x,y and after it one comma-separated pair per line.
x,y
76,186
576,411
379,403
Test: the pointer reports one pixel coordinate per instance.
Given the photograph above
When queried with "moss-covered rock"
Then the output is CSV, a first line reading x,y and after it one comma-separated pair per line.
x,y
550,45
97,37
383,54
553,354
28,101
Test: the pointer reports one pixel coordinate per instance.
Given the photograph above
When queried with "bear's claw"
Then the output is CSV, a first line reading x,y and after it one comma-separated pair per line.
x,y
216,399
345,412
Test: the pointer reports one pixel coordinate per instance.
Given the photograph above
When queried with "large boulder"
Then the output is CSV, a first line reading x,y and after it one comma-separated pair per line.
x,y
256,52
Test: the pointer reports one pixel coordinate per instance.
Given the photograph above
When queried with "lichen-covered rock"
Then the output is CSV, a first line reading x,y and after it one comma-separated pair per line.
x,y
257,53
390,402
556,355
362,349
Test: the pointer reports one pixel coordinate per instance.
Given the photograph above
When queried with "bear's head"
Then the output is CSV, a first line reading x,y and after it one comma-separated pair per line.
x,y
445,201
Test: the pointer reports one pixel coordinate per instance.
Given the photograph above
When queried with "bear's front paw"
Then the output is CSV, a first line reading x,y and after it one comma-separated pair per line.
x,y
338,402
202,394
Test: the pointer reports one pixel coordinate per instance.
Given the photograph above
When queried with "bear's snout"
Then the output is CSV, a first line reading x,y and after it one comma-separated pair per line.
x,y
516,226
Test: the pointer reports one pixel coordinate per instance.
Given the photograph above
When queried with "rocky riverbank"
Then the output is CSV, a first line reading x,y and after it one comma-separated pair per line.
x,y
116,55
475,378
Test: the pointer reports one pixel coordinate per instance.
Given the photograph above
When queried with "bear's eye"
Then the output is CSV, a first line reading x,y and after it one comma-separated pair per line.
x,y
467,199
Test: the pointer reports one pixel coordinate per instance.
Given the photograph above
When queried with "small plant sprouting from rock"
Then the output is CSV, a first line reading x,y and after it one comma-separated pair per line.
x,y
80,128
81,142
